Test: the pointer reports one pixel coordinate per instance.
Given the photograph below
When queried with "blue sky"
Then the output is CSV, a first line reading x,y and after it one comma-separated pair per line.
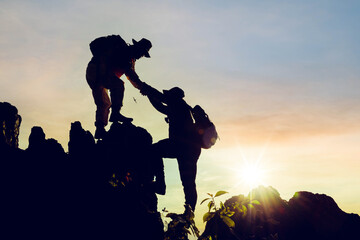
x,y
280,80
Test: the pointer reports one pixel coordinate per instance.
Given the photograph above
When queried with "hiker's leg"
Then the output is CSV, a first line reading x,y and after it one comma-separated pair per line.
x,y
117,89
99,92
117,95
187,161
187,171
102,101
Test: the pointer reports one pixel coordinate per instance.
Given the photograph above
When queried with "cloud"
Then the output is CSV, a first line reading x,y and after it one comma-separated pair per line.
x,y
287,126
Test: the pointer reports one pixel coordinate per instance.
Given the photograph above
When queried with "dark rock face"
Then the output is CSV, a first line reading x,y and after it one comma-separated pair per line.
x,y
81,142
305,216
117,175
320,218
102,190
36,138
10,125
44,149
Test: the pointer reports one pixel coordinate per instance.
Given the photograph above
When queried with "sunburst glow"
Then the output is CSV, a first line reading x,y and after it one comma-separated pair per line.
x,y
252,175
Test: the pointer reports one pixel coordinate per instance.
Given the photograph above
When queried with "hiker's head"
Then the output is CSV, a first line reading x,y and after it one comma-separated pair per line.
x,y
141,48
174,93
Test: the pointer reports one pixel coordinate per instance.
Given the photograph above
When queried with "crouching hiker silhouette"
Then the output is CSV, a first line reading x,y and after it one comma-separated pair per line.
x,y
113,57
182,143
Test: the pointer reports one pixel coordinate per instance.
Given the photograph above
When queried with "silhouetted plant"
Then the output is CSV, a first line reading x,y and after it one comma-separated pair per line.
x,y
222,215
224,212
181,224
122,181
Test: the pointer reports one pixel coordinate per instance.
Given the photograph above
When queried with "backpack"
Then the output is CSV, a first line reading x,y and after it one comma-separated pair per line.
x,y
205,129
106,45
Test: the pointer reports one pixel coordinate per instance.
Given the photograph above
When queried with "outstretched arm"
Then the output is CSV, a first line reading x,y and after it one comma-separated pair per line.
x,y
156,98
158,105
132,76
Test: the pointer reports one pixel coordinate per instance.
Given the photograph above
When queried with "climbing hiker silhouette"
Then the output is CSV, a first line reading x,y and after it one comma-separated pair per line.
x,y
113,57
183,143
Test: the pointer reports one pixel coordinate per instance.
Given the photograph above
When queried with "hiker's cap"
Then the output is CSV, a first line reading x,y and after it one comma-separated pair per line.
x,y
175,92
144,44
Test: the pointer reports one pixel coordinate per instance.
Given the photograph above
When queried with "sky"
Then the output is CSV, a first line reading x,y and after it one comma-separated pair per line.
x,y
280,80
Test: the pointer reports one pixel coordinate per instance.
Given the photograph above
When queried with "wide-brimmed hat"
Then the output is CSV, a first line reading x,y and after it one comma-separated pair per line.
x,y
175,92
144,44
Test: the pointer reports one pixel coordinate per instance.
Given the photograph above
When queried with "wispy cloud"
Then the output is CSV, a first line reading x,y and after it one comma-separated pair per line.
x,y
282,127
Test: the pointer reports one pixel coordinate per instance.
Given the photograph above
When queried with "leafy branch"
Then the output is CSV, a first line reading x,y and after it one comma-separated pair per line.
x,y
224,212
223,215
178,228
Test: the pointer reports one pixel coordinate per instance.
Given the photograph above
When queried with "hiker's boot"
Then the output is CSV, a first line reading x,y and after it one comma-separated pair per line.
x,y
118,117
100,131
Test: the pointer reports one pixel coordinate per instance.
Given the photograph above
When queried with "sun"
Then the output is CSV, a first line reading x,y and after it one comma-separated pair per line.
x,y
249,168
252,174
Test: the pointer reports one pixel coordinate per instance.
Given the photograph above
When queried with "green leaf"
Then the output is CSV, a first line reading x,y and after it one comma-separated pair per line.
x,y
228,221
230,213
219,193
250,206
222,205
255,202
244,211
239,209
204,200
210,194
210,205
207,216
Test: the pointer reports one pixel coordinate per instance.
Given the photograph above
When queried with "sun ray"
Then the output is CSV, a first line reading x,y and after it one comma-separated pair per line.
x,y
250,168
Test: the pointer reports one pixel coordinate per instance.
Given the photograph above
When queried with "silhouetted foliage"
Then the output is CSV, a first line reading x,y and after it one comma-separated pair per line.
x,y
181,225
264,215
10,125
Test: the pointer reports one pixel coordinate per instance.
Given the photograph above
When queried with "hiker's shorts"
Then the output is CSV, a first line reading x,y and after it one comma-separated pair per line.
x,y
100,84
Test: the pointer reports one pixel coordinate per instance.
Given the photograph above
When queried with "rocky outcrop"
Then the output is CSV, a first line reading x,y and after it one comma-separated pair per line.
x,y
305,216
317,216
80,141
44,149
113,183
100,190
